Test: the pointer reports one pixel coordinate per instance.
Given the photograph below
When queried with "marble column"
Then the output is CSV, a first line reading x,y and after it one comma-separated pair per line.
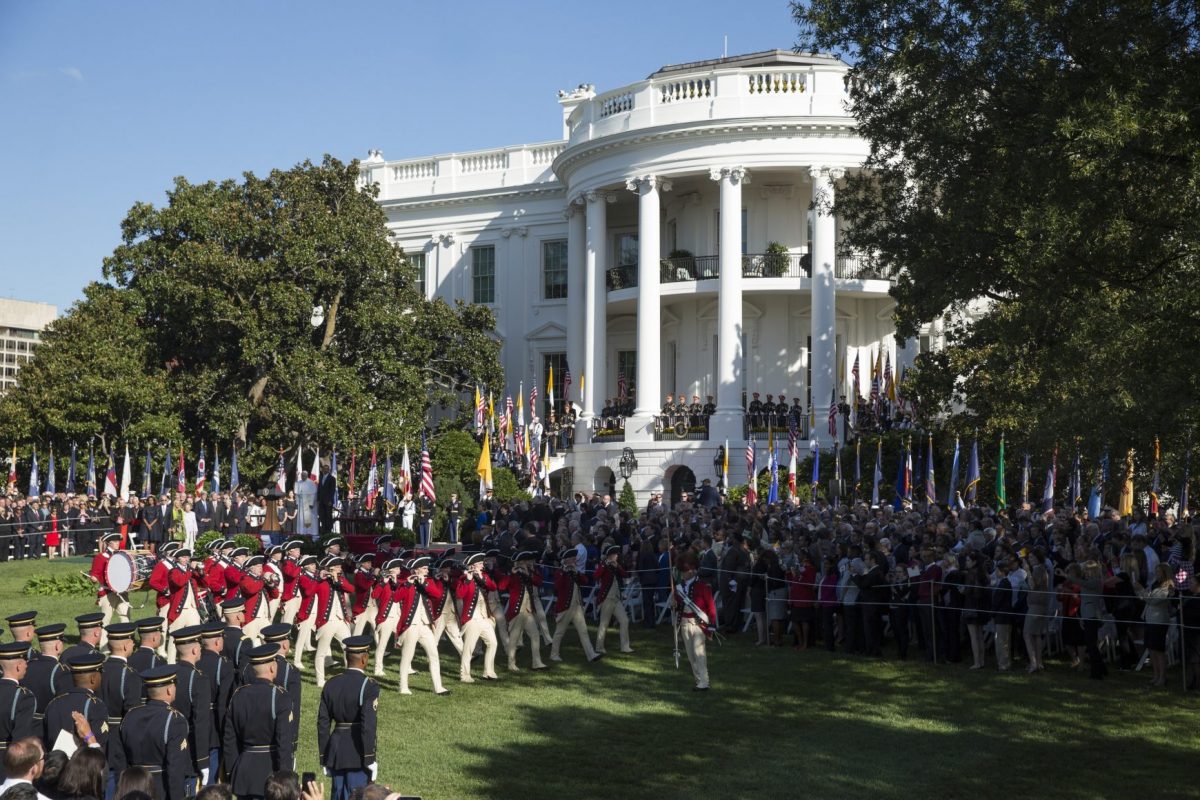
x,y
595,324
727,422
576,294
823,357
649,316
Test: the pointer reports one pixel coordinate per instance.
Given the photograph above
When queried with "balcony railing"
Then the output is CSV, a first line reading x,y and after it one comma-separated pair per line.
x,y
763,425
777,265
683,269
623,277
689,268
681,427
857,267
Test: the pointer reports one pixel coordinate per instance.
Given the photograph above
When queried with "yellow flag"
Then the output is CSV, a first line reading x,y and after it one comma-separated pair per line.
x,y
485,464
1125,505
550,385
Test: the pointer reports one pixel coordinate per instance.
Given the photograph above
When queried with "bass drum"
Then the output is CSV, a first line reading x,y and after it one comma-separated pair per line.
x,y
129,570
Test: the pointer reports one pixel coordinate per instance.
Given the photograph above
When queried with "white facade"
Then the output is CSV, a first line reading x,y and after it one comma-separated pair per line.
x,y
21,325
749,150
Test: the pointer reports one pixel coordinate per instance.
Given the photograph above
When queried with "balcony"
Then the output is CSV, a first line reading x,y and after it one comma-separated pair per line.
x,y
791,265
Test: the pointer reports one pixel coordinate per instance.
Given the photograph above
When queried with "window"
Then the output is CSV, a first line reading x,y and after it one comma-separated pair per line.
x,y
417,260
627,366
924,343
483,274
627,249
554,270
559,362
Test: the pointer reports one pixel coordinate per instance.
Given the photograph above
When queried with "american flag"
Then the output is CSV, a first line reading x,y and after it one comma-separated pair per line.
x,y
372,481
426,471
833,414
752,476
506,418
200,471
566,382
854,372
889,387
479,410
875,385
533,396
622,387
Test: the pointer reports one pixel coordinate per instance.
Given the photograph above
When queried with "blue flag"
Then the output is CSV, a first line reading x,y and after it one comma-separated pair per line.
x,y
91,473
1076,488
1096,498
1051,476
972,486
878,477
50,487
167,475
147,473
952,498
234,480
35,485
216,476
389,491
773,489
70,487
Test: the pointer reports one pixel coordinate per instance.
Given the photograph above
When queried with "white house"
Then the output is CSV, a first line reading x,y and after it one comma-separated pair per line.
x,y
676,238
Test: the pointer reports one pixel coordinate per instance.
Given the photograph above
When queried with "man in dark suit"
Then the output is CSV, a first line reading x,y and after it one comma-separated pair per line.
x,y
31,520
205,510
326,489
735,581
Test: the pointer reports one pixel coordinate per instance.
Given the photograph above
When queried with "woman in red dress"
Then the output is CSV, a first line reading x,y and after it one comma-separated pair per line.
x,y
53,538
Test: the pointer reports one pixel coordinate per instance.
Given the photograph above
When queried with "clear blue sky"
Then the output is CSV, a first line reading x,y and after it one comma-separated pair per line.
x,y
105,102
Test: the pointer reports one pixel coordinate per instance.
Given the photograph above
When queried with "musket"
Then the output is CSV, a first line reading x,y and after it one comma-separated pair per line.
x,y
675,612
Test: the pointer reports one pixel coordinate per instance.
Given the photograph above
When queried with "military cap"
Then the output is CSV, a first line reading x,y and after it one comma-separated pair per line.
x,y
294,544
189,635
415,563
306,560
526,555
93,620
10,651
339,541
111,537
277,632
567,552
51,632
182,552
169,548
612,548
256,561
239,551
149,625
162,675
264,653
211,630
382,540
233,604
365,557
86,662
356,644
22,620
394,563
215,545
475,558
120,630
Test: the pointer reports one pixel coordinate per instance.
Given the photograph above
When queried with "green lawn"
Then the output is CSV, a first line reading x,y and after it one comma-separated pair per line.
x,y
777,724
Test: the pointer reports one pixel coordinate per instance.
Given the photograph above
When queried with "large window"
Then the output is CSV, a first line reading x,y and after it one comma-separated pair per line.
x,y
626,367
483,274
418,263
559,362
627,249
554,270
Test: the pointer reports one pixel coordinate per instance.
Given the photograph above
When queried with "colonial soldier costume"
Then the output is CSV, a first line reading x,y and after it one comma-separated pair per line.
x,y
120,688
568,605
364,603
183,598
693,603
256,737
521,585
218,671
214,571
287,677
80,697
418,596
146,656
45,676
346,722
109,599
17,703
155,736
333,613
289,595
492,569
89,637
306,618
258,589
160,582
193,699
234,572
387,615
610,591
476,618
445,610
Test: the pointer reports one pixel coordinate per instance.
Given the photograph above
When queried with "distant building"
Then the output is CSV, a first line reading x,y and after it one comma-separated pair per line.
x,y
21,326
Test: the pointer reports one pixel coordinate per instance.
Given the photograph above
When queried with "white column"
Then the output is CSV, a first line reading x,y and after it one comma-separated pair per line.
x,y
727,423
595,325
823,357
649,316
576,294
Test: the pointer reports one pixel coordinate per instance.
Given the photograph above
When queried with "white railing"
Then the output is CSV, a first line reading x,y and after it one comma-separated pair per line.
x,y
415,170
617,102
776,82
544,156
484,162
691,89
452,172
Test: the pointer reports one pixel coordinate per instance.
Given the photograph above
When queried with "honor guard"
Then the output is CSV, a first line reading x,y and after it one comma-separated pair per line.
x,y
346,722
568,605
610,597
693,602
183,598
258,588
476,618
306,618
150,637
418,595
364,607
387,616
46,676
287,677
17,704
155,736
289,595
218,671
160,582
445,610
491,568
21,626
333,612
90,631
522,587
710,407
236,645
214,571
256,741
80,697
120,688
696,410
193,699
109,599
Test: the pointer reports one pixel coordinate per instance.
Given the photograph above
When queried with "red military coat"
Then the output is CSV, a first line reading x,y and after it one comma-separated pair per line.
x,y
364,582
516,586
291,579
608,575
180,583
233,580
307,584
471,593
564,582
328,594
99,571
160,583
214,578
699,593
408,595
256,591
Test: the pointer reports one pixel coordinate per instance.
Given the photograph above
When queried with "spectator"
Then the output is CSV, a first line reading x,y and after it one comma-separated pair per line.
x,y
134,780
52,769
23,766
84,776
1158,615
215,791
283,785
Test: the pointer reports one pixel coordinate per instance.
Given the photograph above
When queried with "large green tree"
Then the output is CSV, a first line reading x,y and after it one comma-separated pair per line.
x,y
1037,161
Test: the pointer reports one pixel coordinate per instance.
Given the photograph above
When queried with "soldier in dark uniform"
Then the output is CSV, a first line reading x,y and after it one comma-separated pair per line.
x,y
256,741
146,656
17,704
21,625
155,736
218,671
45,676
80,697
796,414
346,722
89,637
710,407
287,677
768,410
755,409
236,644
453,513
696,411
193,699
120,689
607,413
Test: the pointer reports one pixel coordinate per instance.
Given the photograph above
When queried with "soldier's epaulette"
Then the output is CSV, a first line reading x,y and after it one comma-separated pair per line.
x,y
176,712
233,694
139,705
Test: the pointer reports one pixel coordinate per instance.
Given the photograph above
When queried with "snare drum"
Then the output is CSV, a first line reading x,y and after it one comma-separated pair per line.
x,y
129,570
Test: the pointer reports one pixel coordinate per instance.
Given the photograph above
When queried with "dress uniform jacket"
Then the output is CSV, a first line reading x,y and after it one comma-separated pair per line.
x,y
193,699
564,585
256,591
160,582
144,658
607,576
214,578
235,647
471,593
120,689
58,718
218,671
346,721
287,677
256,741
45,677
74,651
408,595
328,593
517,586
155,737
17,707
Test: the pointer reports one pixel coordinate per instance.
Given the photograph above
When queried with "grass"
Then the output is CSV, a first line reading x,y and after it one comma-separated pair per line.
x,y
778,724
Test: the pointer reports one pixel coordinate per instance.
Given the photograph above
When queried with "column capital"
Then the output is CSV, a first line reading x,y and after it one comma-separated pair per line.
x,y
643,184
574,206
734,175
817,171
597,196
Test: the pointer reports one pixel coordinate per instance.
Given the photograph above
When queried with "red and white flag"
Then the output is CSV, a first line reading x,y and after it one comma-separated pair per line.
x,y
426,472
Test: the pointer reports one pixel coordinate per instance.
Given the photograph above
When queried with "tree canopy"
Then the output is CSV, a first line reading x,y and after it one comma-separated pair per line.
x,y
1033,176
204,332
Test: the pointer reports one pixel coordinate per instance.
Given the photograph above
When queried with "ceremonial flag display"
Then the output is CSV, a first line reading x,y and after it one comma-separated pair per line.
x,y
406,476
372,480
1125,506
352,481
952,498
147,473
234,479
857,465
1051,479
201,471
165,482
110,476
426,472
484,467
792,464
1183,491
70,486
1025,478
389,491
930,484
315,472
550,388
816,465
833,414
12,470
837,472
622,386
773,488
280,474
478,410
35,482
1001,492
181,478
299,464
1075,490
725,466
216,472
333,473
854,385
126,476
751,474
51,488
878,476
1096,499
567,382
972,486
1153,481
91,473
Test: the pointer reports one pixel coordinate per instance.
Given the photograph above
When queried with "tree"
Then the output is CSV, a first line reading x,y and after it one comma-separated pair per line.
x,y
1033,175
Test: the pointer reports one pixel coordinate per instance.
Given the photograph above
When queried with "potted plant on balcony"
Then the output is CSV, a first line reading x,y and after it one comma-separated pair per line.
x,y
679,265
775,262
